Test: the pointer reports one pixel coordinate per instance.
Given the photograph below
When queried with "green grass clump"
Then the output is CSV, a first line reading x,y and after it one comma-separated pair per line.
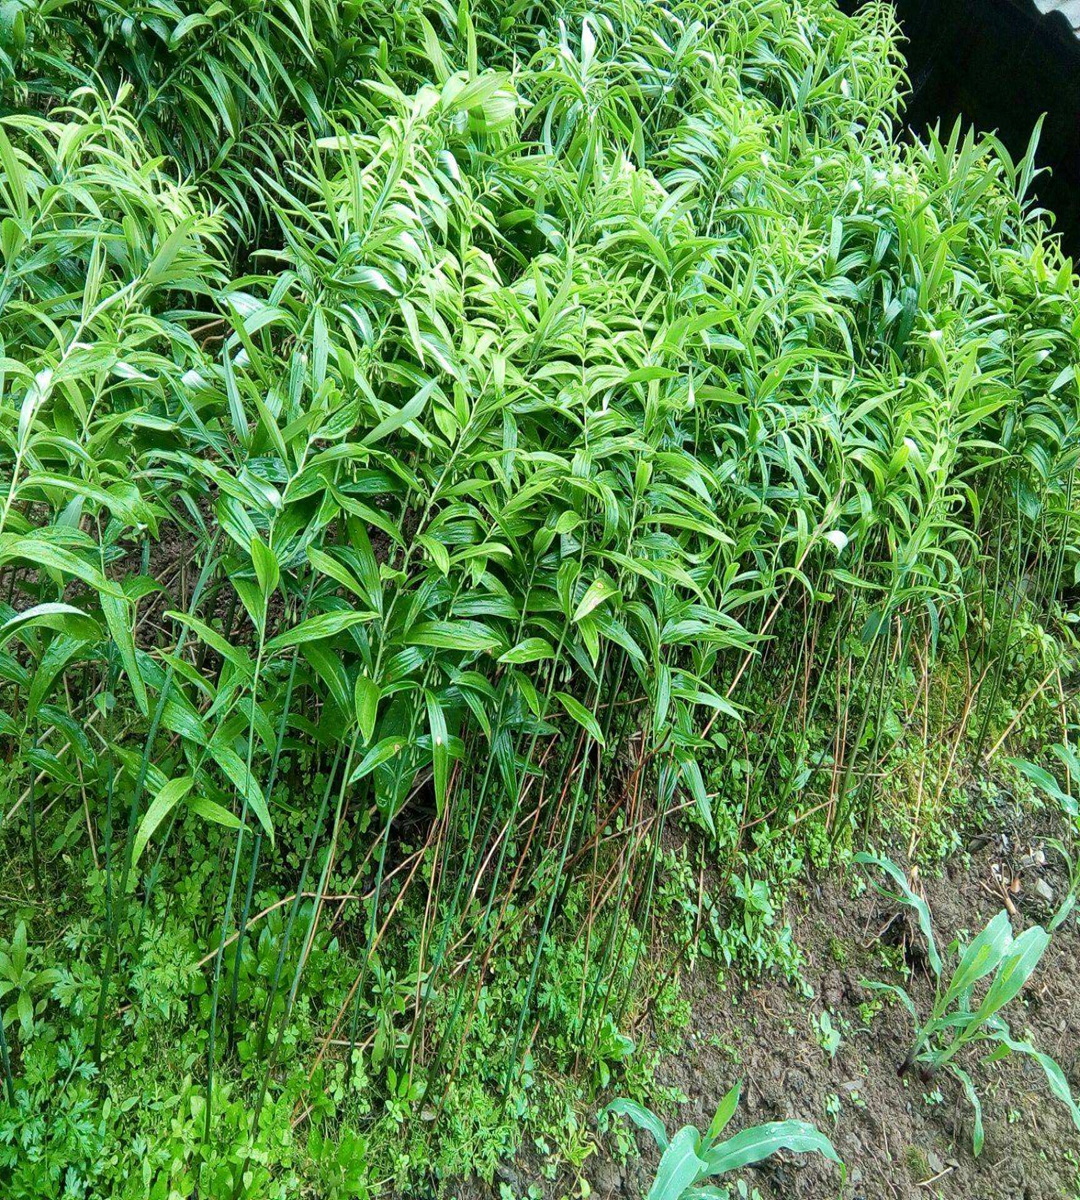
x,y
437,445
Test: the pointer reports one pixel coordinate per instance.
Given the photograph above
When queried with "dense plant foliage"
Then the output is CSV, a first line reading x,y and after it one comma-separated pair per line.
x,y
440,443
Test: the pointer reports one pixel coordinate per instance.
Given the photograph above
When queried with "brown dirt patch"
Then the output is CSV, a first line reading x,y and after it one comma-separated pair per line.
x,y
896,1143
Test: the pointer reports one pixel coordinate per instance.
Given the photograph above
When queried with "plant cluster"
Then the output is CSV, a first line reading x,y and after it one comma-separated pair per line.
x,y
440,443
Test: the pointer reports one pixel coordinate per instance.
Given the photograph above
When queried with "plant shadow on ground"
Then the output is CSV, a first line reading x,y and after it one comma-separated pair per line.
x,y
824,1049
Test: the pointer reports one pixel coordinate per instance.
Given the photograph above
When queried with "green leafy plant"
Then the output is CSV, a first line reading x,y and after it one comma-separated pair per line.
x,y
1072,888
1044,781
24,987
442,446
691,1158
958,1019
828,1035
612,1048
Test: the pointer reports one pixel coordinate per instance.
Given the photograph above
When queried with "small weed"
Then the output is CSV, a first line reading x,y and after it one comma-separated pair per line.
x,y
828,1035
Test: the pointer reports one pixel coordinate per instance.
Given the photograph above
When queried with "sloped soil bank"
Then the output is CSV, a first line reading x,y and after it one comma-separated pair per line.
x,y
899,1140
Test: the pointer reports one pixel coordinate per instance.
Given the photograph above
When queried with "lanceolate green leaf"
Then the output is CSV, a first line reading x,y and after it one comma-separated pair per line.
x,y
642,1118
982,956
59,559
402,416
237,655
468,636
367,705
314,629
159,808
1046,783
978,1136
245,783
757,1144
383,750
440,749
267,569
1015,970
118,617
64,618
534,649
210,810
1055,1077
724,1112
679,1166
598,591
581,715
908,897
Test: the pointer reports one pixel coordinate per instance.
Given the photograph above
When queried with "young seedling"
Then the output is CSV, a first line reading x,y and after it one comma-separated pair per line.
x,y
957,1018
691,1158
23,988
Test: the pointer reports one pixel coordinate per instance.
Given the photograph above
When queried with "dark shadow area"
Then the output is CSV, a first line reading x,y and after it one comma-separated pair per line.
x,y
1000,64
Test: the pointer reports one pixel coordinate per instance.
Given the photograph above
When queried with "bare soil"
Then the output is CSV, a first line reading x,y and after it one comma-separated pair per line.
x,y
899,1139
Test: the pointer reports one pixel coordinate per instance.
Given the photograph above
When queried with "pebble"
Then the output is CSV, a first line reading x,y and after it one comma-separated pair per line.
x,y
1044,890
